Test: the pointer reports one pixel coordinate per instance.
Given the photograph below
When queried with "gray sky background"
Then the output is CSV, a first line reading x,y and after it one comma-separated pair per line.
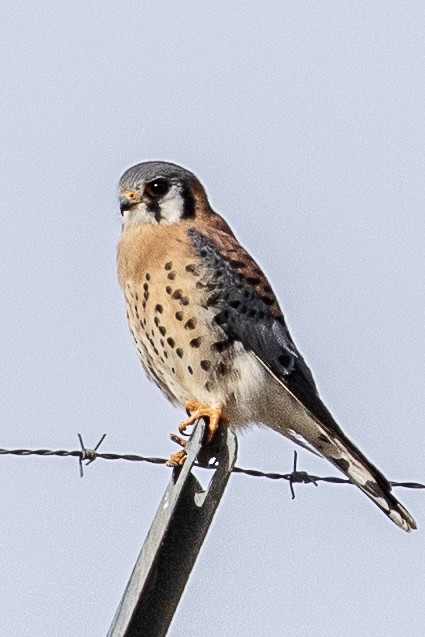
x,y
305,121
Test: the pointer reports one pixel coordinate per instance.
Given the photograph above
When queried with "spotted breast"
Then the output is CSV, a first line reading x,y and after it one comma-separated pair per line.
x,y
170,298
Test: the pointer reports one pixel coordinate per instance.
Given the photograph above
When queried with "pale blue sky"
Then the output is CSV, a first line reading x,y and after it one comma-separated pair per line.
x,y
305,121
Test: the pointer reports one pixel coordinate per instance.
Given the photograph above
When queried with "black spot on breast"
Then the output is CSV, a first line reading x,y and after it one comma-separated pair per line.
x,y
148,276
235,304
190,324
196,342
247,294
162,330
184,300
171,342
179,316
156,321
177,294
243,309
267,289
221,346
159,308
252,314
173,371
200,285
205,365
189,369
221,369
169,290
221,317
192,269
171,275
208,386
168,265
261,315
235,263
145,287
213,299
179,352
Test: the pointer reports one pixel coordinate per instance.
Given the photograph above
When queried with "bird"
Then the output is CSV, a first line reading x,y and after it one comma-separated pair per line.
x,y
209,331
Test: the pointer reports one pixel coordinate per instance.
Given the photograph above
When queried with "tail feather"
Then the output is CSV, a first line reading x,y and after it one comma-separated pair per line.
x,y
343,454
349,459
288,415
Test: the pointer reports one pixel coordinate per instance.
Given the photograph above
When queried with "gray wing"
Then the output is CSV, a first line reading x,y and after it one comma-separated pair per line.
x,y
247,314
254,318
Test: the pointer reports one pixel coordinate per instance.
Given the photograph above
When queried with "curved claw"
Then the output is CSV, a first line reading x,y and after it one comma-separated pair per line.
x,y
212,415
177,459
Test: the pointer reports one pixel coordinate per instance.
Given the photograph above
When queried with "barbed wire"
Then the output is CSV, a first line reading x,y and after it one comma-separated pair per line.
x,y
86,456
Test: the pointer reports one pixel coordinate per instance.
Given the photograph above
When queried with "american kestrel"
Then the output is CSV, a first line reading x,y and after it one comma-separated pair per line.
x,y
208,328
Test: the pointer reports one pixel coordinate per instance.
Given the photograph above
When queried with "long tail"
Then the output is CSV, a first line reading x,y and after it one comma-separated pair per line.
x,y
286,414
290,417
341,452
350,460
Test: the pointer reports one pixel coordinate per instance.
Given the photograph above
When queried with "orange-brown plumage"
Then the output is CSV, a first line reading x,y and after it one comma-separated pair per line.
x,y
208,328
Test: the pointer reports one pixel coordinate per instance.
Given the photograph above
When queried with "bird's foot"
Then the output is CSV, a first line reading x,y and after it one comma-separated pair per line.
x,y
178,458
213,416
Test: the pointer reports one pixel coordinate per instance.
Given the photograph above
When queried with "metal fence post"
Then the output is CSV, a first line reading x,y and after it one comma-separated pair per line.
x,y
173,543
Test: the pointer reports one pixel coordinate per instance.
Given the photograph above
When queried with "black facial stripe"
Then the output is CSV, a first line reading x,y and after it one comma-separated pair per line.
x,y
154,207
188,202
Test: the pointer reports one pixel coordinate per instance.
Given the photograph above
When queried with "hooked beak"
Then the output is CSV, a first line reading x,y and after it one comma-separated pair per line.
x,y
128,199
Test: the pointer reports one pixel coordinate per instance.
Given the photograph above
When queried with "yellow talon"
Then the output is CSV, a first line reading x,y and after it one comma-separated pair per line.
x,y
177,459
212,415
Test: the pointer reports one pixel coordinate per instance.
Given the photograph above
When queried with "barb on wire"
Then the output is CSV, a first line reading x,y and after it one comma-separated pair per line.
x,y
87,456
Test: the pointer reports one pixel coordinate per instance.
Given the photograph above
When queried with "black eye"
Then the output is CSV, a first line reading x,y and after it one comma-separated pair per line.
x,y
157,188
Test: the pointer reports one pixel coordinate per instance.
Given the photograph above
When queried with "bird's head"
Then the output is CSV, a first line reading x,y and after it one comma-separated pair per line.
x,y
158,192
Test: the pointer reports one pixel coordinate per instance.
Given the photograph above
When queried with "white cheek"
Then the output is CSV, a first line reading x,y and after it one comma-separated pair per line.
x,y
137,214
172,207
